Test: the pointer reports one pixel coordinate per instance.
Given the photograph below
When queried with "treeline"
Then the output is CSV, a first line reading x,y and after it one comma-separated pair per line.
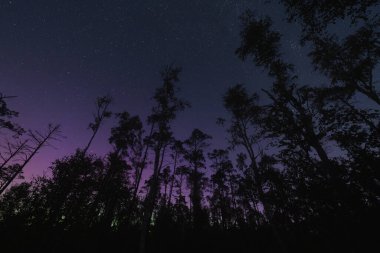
x,y
300,173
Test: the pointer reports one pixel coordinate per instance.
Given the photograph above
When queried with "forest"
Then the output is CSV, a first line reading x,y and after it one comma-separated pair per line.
x,y
300,172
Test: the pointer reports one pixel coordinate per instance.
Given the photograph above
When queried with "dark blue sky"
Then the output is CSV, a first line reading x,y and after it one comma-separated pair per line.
x,y
58,56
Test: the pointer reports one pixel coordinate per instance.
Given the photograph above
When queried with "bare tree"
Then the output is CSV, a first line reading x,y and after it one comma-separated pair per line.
x,y
101,113
37,140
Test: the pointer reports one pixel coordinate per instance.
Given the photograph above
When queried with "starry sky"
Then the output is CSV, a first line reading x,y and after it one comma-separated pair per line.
x,y
58,56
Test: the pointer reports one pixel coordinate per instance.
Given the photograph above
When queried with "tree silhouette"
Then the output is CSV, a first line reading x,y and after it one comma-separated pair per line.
x,y
6,115
223,199
128,141
302,120
194,154
163,113
101,113
38,140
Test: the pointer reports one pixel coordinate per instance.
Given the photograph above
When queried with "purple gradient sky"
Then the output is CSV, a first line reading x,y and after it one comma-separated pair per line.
x,y
58,56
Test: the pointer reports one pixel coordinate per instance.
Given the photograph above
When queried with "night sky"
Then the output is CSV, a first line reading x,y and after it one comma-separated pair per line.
x,y
57,56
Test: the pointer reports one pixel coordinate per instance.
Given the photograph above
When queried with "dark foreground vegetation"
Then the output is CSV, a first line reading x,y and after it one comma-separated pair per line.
x,y
301,172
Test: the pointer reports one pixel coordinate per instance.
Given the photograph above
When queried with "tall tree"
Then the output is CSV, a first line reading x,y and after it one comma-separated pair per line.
x,y
301,121
165,110
194,148
128,141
